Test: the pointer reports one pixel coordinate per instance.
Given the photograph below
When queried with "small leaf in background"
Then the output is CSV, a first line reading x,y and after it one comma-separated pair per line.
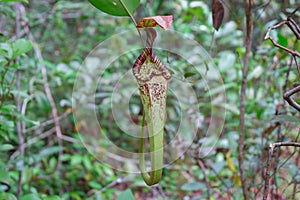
x,y
6,147
4,177
270,129
230,163
21,46
30,197
284,119
114,7
126,195
6,50
95,185
236,177
45,153
193,186
7,196
165,22
217,13
52,198
282,40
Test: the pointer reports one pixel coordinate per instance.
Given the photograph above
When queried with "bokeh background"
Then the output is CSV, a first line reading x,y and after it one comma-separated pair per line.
x,y
44,43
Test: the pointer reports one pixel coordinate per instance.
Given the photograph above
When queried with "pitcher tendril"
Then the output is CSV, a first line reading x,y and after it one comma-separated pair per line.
x,y
152,78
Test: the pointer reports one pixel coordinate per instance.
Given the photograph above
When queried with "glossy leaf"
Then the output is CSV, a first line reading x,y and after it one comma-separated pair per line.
x,y
217,13
114,7
165,22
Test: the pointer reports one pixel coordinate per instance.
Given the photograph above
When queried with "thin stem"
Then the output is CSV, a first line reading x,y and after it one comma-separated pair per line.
x,y
128,12
295,184
202,166
21,138
133,20
241,142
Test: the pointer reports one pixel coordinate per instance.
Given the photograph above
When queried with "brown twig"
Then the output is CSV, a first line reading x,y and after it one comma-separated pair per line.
x,y
294,27
241,150
296,30
286,83
44,135
202,166
46,123
270,154
281,165
290,100
287,96
276,162
294,12
47,90
268,37
34,140
23,110
298,68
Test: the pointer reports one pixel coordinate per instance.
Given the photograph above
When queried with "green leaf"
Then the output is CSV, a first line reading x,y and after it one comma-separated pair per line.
x,y
6,147
30,197
7,109
7,196
282,40
43,102
193,186
76,160
6,50
95,185
126,195
256,72
4,177
52,198
226,61
114,7
3,62
87,163
20,47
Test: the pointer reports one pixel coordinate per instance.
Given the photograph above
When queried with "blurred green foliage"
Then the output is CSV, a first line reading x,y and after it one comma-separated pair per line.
x,y
66,31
